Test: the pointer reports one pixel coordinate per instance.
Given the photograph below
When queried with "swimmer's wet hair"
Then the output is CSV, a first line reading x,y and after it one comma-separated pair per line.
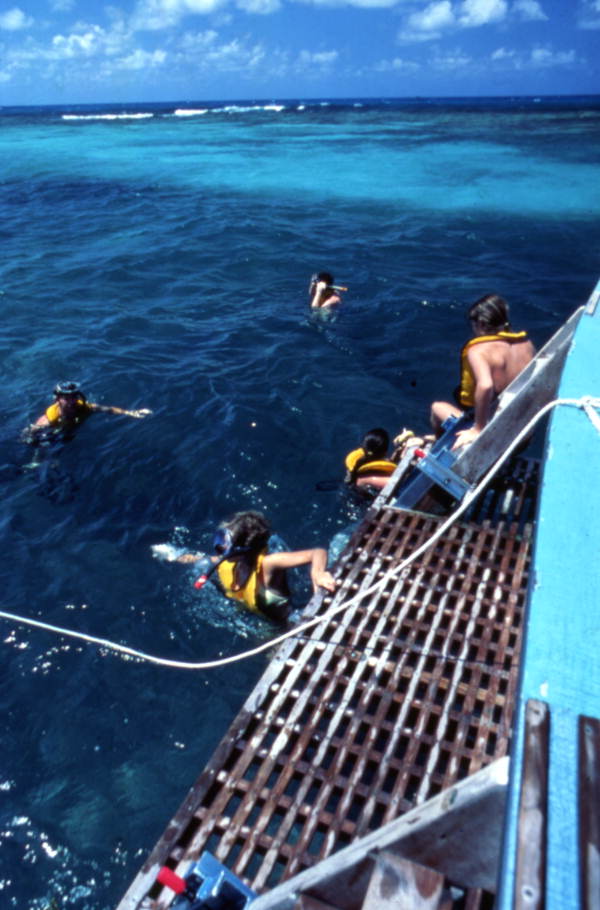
x,y
376,442
491,312
249,529
327,277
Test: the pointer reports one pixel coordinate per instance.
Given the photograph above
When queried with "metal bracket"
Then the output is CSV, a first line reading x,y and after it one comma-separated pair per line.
x,y
443,475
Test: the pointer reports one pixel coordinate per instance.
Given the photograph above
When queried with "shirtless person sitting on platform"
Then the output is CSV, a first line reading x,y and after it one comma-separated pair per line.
x,y
489,363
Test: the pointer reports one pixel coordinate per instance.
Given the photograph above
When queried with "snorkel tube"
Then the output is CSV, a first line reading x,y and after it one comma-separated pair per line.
x,y
224,546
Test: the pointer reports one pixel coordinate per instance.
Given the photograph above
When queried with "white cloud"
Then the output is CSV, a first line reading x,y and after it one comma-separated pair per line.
x,y
473,13
318,58
202,51
235,55
529,10
62,6
452,60
397,64
141,60
373,4
502,54
540,57
14,20
77,44
360,4
193,42
435,16
442,16
546,57
90,41
152,15
589,14
261,7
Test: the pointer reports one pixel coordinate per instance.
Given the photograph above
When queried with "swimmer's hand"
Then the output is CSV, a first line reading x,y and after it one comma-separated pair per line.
x,y
321,578
166,552
111,409
465,438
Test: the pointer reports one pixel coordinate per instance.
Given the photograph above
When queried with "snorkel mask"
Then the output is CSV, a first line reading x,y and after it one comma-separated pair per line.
x,y
224,546
223,541
67,390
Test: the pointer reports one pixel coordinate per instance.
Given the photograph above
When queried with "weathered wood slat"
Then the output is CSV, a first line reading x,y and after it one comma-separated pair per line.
x,y
589,811
530,878
398,884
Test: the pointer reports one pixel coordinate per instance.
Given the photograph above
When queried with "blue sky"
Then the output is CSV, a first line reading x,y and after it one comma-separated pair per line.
x,y
77,51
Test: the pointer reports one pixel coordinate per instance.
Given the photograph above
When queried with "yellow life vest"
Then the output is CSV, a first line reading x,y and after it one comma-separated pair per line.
x,y
377,466
53,413
466,394
249,594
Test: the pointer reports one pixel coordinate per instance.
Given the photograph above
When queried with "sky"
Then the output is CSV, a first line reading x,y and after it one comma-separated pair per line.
x,y
85,51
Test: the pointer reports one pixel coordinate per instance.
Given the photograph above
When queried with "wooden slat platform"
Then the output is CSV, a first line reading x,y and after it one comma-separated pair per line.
x,y
374,711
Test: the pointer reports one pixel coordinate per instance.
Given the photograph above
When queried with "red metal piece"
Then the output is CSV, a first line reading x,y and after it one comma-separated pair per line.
x,y
171,880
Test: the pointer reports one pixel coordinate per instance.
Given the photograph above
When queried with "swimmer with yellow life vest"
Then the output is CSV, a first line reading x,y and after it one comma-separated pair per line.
x,y
245,571
488,364
369,466
69,409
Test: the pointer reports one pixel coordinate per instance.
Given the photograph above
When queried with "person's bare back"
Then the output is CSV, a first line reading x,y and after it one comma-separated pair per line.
x,y
506,360
489,363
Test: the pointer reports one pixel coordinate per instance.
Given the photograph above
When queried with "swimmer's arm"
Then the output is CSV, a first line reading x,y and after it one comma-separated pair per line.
x,y
484,395
317,298
32,428
317,557
110,409
373,480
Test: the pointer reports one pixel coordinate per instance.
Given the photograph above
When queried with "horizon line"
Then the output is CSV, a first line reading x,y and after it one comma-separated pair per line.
x,y
308,100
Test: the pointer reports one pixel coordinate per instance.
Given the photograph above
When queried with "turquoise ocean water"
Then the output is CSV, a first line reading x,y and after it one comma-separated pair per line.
x,y
160,255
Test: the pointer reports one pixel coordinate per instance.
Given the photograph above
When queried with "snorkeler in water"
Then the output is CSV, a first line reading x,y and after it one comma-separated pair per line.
x,y
245,571
323,292
369,466
69,409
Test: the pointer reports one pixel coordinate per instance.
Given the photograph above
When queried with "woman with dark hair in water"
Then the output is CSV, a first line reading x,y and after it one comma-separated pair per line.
x,y
246,571
369,466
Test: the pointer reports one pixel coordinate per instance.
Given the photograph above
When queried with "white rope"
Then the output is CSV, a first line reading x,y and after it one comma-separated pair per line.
x,y
588,403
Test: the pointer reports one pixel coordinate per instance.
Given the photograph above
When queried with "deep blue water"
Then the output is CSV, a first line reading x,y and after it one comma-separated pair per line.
x,y
163,262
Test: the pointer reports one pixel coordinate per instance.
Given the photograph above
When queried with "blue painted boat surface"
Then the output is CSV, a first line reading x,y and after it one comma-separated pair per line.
x,y
562,632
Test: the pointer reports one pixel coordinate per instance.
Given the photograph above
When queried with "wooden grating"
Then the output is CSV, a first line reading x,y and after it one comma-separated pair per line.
x,y
407,691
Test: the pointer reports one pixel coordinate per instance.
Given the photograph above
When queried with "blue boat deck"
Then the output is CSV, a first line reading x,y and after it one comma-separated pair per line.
x,y
562,640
